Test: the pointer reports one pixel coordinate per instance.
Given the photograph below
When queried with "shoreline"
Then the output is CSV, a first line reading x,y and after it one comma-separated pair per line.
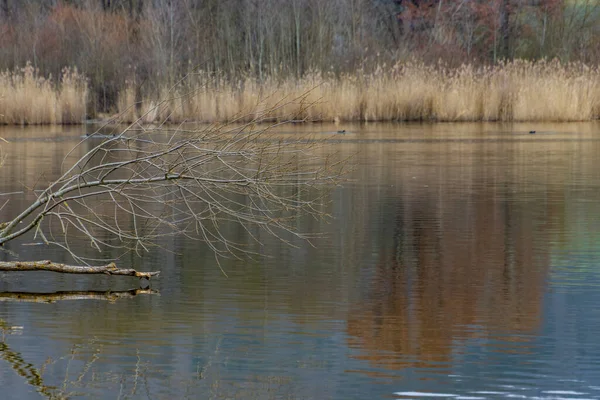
x,y
111,122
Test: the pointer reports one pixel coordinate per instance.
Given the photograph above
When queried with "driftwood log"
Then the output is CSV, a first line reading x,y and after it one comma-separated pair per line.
x,y
46,265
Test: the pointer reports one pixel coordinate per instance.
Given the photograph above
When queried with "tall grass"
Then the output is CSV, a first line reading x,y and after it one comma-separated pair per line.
x,y
28,98
515,91
512,91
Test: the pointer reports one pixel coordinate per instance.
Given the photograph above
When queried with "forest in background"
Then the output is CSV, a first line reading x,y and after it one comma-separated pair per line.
x,y
134,50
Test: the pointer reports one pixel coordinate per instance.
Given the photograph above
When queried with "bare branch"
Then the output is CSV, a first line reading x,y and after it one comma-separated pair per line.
x,y
128,190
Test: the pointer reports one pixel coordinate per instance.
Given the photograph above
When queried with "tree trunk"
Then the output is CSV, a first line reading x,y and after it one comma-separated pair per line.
x,y
4,8
505,28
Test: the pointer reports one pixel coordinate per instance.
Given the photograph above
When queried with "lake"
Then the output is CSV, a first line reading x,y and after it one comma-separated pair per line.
x,y
460,261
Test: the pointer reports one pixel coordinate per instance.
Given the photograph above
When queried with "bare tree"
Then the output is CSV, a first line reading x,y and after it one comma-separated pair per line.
x,y
133,187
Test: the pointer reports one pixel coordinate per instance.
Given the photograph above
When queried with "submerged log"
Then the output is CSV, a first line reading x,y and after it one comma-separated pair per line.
x,y
46,265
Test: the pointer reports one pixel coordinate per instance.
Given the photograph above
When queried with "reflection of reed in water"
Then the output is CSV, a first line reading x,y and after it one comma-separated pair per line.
x,y
452,266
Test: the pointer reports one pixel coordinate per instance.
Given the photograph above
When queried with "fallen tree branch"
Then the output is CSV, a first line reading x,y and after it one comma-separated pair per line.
x,y
46,265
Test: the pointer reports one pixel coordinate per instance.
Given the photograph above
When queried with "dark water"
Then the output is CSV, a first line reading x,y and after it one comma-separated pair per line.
x,y
463,261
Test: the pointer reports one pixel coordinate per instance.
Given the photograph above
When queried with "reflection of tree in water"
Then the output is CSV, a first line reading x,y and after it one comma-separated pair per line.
x,y
24,369
83,370
452,266
32,374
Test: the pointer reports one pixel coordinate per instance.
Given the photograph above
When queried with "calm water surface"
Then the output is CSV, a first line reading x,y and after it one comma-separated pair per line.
x,y
462,261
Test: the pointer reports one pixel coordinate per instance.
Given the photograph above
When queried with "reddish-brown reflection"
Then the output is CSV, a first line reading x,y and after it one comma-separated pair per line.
x,y
454,266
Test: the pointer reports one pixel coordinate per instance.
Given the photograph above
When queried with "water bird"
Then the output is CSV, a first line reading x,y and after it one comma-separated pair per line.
x,y
531,132
100,135
341,131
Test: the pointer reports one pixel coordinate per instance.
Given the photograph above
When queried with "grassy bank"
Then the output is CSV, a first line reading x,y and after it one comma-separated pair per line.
x,y
27,98
517,91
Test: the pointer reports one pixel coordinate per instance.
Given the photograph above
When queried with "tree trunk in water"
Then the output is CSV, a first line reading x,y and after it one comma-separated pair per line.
x,y
109,269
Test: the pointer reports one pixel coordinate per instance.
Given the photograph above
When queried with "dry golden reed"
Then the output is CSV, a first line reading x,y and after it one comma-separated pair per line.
x,y
27,98
511,91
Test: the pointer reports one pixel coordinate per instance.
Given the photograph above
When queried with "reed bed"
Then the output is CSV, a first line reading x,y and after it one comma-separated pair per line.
x,y
511,91
27,98
413,91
